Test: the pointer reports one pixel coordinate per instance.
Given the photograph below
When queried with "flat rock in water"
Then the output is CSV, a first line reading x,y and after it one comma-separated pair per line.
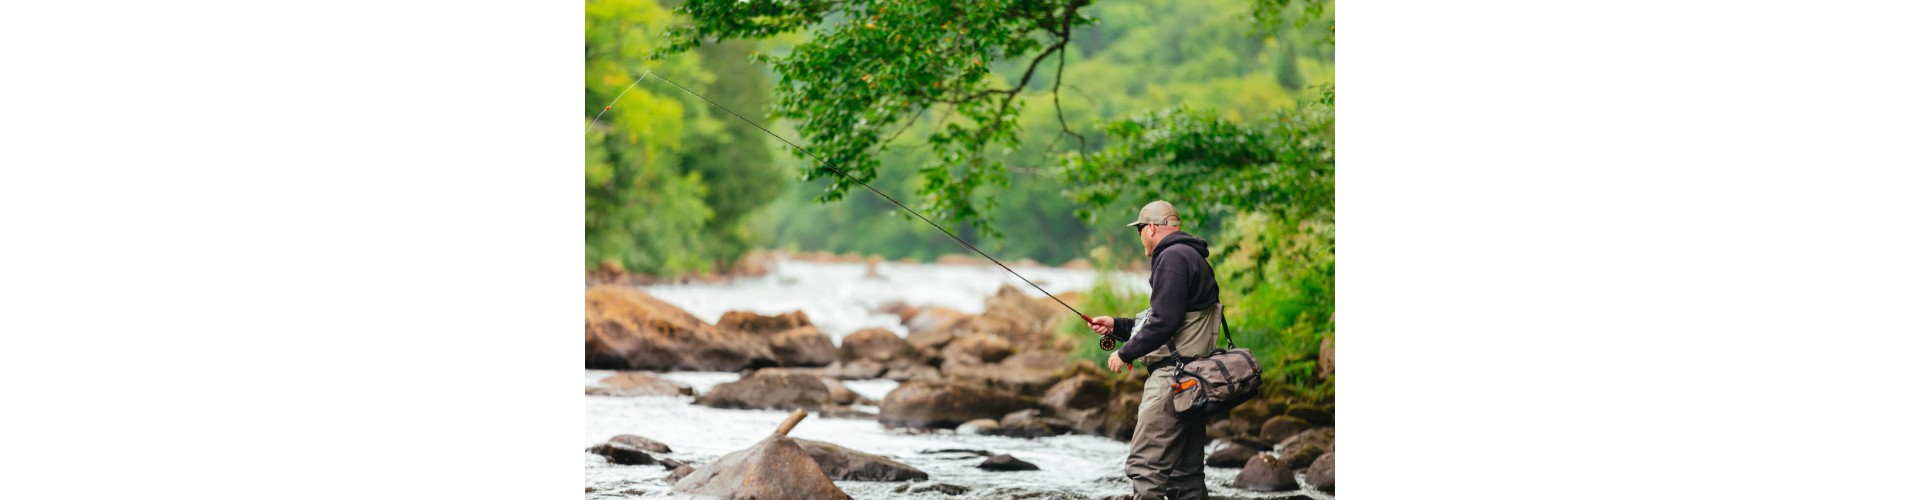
x,y
751,322
769,389
841,463
803,346
641,443
637,384
776,467
621,454
1030,424
946,405
1320,474
1006,462
1264,472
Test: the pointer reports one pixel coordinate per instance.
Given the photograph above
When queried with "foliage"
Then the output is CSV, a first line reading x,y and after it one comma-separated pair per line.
x,y
666,184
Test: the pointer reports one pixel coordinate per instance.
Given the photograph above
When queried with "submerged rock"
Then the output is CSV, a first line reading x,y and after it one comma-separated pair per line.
x,y
841,463
1004,462
637,384
941,488
622,454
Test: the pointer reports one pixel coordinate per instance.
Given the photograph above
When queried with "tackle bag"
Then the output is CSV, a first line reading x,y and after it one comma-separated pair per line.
x,y
1215,382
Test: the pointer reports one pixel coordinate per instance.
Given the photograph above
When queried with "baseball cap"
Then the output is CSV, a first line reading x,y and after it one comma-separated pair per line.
x,y
1157,213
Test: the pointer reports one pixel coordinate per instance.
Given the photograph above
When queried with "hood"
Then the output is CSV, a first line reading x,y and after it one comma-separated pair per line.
x,y
1180,238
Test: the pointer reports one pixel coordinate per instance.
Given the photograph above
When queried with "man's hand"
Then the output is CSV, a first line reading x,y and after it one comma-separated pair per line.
x,y
1113,361
1103,325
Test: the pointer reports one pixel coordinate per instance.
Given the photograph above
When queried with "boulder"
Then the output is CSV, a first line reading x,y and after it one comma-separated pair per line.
x,y
679,473
984,426
1320,474
844,464
856,369
877,345
627,329
637,384
946,405
1122,415
1031,424
640,443
770,388
1302,448
750,322
1281,427
1264,472
927,319
914,372
803,346
622,454
839,393
976,349
1231,455
776,467
1030,372
1081,391
1004,462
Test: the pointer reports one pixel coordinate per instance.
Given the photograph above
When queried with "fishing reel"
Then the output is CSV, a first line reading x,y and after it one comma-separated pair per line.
x,y
1107,342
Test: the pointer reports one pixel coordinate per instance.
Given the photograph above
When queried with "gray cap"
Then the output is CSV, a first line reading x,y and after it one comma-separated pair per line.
x,y
1159,213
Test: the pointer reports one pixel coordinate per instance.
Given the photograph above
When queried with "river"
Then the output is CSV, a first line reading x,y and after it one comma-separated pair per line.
x,y
840,298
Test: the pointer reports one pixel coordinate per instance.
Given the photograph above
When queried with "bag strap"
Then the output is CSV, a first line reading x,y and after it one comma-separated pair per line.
x,y
1180,364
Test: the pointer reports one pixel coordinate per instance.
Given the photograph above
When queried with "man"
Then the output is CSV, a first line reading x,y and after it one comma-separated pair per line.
x,y
1167,456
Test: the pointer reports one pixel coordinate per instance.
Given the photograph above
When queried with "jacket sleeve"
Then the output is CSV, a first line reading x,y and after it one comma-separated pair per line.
x,y
1122,328
1169,301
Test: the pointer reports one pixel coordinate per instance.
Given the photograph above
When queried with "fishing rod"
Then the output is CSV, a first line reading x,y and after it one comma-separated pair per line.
x,y
1105,341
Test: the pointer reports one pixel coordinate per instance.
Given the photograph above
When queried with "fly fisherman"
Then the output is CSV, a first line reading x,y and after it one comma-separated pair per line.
x,y
1166,458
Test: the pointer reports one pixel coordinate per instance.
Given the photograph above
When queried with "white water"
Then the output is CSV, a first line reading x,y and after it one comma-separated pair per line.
x,y
839,298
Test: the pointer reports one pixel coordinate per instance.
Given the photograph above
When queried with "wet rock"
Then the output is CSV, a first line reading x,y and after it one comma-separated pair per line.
x,y
946,405
679,473
927,319
1312,414
1264,472
627,329
1005,462
838,393
1280,428
776,467
769,389
1031,424
984,426
671,464
878,345
941,488
803,346
640,443
914,372
622,454
750,322
1123,413
1231,455
1081,391
976,349
977,453
1031,372
1301,449
844,464
637,384
1320,474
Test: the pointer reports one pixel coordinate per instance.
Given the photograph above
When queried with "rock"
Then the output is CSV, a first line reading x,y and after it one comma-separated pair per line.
x,y
927,319
803,346
1302,448
621,454
946,405
941,488
777,467
839,393
1078,264
1324,366
627,329
1264,472
770,388
671,464
679,473
1031,372
977,453
984,426
1320,474
1081,391
637,384
640,443
844,464
856,369
876,344
1030,424
914,372
1123,413
1231,455
1312,414
1282,427
750,322
1006,462
976,349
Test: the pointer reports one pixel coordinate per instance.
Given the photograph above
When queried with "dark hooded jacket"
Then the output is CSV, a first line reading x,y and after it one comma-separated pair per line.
x,y
1182,281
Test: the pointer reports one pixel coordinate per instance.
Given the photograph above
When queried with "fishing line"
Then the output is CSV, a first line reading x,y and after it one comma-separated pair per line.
x,y
836,169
